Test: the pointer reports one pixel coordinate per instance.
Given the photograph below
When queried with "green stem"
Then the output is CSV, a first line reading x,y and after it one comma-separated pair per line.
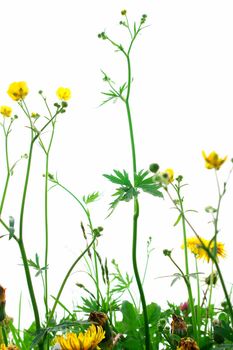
x,y
66,278
136,212
198,303
86,211
191,301
6,133
46,236
212,257
46,221
210,297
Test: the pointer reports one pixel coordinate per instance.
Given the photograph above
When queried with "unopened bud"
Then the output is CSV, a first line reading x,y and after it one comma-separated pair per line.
x,y
154,167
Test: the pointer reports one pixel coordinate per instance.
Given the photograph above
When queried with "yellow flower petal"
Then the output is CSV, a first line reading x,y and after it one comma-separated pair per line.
x,y
6,111
88,340
196,247
18,90
63,93
213,161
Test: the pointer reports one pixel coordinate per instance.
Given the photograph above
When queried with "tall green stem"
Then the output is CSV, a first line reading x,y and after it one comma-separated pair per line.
x,y
6,133
66,278
46,220
86,211
212,257
136,211
198,303
21,243
191,301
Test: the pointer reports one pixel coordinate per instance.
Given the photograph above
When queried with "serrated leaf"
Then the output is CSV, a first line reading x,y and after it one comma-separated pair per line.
x,y
120,178
147,184
90,198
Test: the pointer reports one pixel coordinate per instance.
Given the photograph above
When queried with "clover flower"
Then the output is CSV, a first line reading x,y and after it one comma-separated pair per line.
x,y
213,161
63,93
18,90
196,247
6,111
82,341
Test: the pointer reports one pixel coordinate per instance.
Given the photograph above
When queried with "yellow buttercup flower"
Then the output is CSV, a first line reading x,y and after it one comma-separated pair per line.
x,y
195,246
82,341
18,90
213,161
63,93
168,176
6,111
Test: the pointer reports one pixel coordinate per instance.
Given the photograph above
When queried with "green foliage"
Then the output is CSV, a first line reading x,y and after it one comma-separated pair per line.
x,y
36,265
90,198
127,190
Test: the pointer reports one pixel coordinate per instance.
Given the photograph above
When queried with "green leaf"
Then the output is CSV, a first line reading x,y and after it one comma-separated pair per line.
x,y
147,184
120,178
153,311
177,220
90,198
130,316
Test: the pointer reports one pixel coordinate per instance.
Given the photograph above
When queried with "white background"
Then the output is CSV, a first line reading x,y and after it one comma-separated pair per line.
x,y
181,103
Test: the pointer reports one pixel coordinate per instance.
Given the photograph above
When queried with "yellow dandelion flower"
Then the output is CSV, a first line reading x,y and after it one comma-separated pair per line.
x,y
82,341
213,161
6,111
63,93
196,247
9,347
18,90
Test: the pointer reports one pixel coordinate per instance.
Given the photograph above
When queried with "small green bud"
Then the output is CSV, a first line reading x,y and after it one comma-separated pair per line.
x,y
64,104
154,167
167,252
56,105
97,231
179,178
102,36
123,12
210,209
40,92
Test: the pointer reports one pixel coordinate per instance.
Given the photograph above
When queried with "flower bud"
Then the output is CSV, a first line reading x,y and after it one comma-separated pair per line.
x,y
154,167
184,306
178,326
101,319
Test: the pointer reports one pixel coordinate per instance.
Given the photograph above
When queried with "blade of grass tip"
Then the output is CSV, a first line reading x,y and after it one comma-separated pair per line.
x,y
19,312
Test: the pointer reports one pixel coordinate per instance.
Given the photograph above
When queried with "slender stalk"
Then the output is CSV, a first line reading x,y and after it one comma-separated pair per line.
x,y
20,240
136,210
86,211
46,220
6,133
22,211
212,257
210,297
187,264
198,303
66,278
